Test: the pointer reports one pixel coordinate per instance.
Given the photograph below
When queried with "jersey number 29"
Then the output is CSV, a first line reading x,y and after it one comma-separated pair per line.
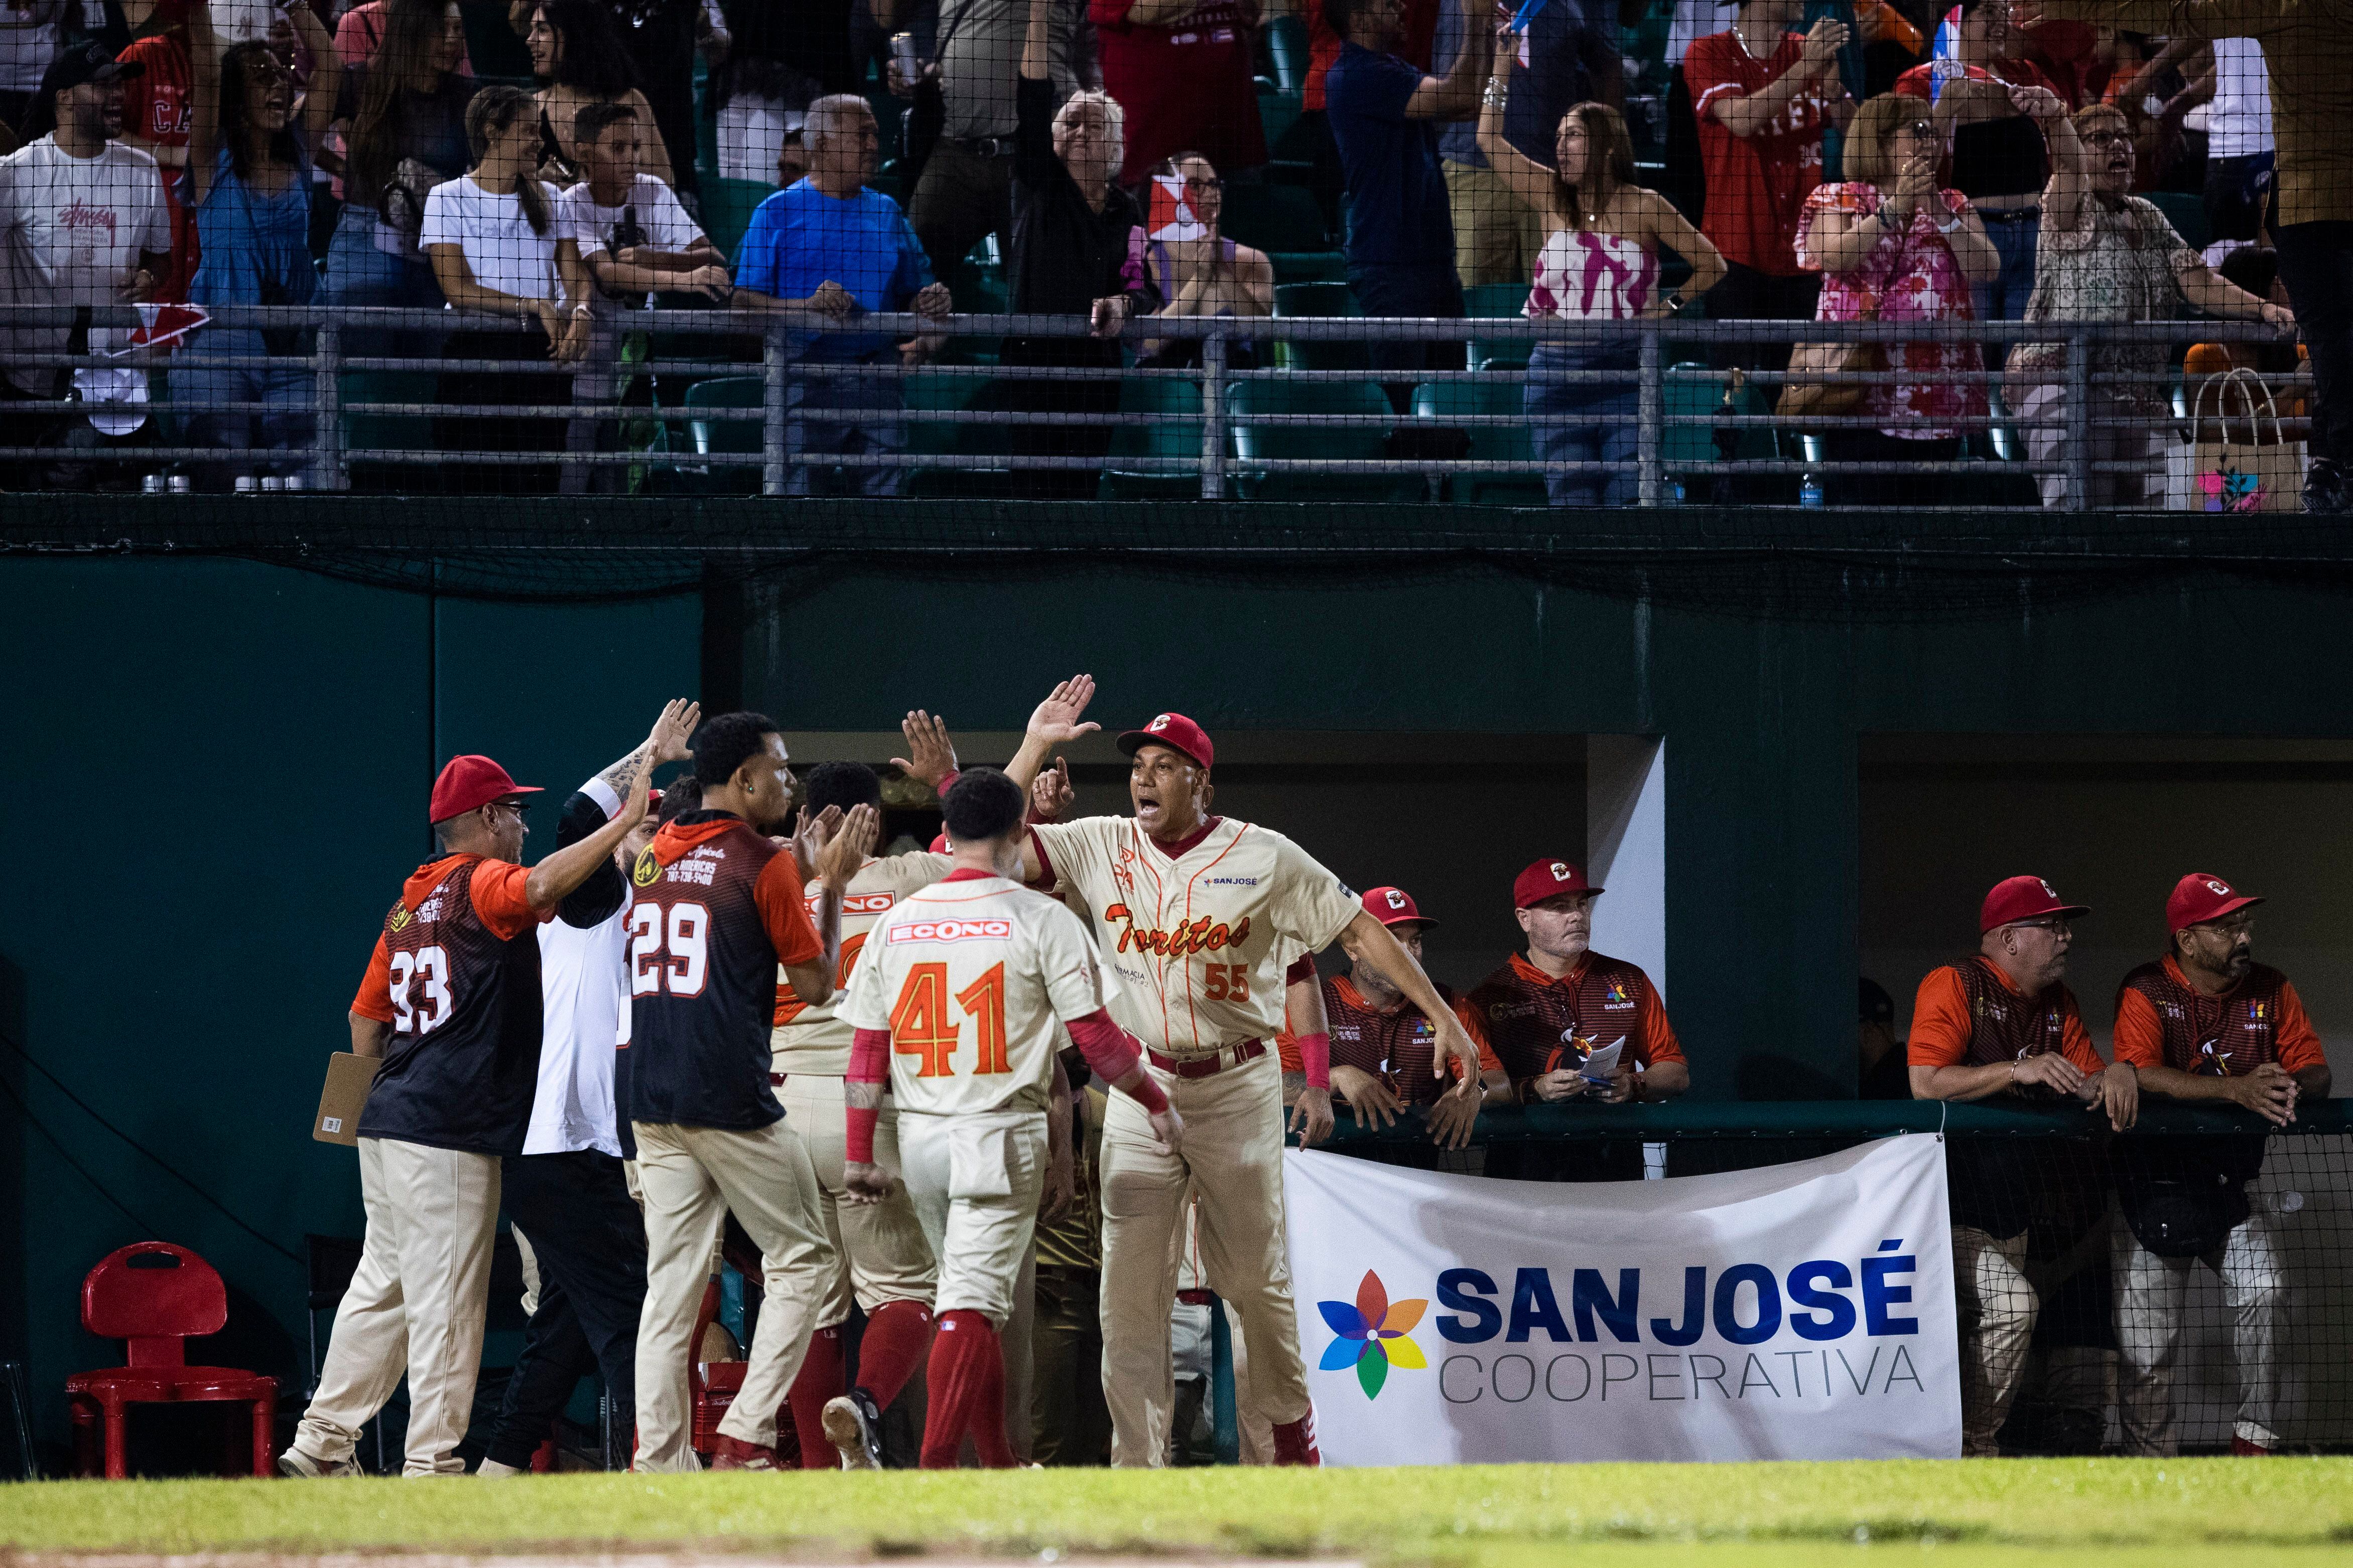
x,y
689,959
921,1027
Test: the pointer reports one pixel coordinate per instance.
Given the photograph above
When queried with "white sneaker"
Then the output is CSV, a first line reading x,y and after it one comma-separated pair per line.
x,y
491,1470
299,1466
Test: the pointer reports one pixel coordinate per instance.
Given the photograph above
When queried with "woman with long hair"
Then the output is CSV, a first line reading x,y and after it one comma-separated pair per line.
x,y
578,53
1196,269
1600,263
1890,247
491,235
249,186
402,118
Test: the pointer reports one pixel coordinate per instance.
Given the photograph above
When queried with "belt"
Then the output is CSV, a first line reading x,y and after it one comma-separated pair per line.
x,y
775,1080
985,146
1206,1067
2008,215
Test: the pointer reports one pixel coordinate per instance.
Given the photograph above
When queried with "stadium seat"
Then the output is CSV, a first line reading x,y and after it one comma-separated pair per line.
x,y
1277,113
1445,403
1285,222
1488,300
2186,211
1251,401
1286,52
1322,298
727,209
726,435
1689,436
1171,408
155,1297
365,433
939,390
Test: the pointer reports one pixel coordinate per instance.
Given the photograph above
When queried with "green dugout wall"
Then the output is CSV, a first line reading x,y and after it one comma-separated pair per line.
x,y
220,767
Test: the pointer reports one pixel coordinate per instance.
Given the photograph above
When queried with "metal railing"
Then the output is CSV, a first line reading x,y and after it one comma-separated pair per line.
x,y
1679,408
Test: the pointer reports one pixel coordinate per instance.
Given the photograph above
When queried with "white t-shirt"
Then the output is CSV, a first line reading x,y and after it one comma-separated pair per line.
x,y
495,236
970,976
583,992
72,229
661,222
28,37
2239,123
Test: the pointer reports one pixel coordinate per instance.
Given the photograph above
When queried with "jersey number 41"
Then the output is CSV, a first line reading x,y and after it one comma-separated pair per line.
x,y
920,1026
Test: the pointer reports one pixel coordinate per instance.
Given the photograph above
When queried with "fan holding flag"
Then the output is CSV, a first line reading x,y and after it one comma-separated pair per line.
x,y
1197,269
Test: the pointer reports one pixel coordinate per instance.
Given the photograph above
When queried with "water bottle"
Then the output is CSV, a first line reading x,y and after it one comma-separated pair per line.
x,y
1809,491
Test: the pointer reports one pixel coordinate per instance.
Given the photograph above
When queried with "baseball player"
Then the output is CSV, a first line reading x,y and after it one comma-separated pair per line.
x,y
1382,1044
955,1006
1200,916
718,910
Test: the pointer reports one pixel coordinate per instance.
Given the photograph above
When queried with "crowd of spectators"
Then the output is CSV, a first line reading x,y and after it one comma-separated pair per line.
x,y
1775,161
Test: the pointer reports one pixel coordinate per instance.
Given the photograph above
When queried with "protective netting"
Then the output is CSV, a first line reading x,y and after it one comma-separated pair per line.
x,y
2177,1288
1402,254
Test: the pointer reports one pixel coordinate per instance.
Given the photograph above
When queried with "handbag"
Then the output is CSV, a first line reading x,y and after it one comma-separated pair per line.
x,y
2210,470
1804,397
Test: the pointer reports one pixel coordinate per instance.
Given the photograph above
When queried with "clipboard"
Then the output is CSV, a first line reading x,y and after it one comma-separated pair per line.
x,y
343,1098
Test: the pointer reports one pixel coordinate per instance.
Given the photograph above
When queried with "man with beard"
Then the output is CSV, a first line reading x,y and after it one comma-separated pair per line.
x,y
2206,1022
718,911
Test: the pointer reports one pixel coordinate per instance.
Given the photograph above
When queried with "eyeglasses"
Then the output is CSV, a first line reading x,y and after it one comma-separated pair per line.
x,y
2107,139
1917,128
1204,185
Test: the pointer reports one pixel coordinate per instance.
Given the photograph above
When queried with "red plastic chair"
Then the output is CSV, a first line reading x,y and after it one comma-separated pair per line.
x,y
155,1297
711,1387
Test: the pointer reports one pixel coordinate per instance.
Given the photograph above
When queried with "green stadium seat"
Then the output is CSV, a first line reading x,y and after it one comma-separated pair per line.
x,y
1493,299
1173,409
1250,401
1690,436
1287,52
1277,113
727,209
954,391
2186,211
1275,219
1321,299
730,436
363,433
1446,402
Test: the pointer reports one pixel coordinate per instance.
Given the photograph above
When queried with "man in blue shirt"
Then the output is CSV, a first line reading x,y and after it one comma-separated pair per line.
x,y
829,246
1384,115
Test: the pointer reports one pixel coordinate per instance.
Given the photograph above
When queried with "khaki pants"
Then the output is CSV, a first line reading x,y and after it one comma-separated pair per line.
x,y
1233,1162
880,1246
1997,1306
1257,1433
2151,1293
1497,236
692,1177
974,1178
416,1303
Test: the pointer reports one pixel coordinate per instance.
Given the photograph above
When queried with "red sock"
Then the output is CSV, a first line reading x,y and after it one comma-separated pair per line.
x,y
897,1335
967,1390
820,1379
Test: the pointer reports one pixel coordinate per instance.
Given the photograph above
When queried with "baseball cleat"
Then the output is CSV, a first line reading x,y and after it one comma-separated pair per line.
x,y
734,1454
854,1426
296,1465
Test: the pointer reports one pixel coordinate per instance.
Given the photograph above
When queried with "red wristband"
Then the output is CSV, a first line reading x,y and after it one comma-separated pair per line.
x,y
1315,1058
947,782
857,1132
1147,1094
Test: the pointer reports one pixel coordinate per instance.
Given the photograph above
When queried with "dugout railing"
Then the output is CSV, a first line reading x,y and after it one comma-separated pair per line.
x,y
2197,1267
1274,408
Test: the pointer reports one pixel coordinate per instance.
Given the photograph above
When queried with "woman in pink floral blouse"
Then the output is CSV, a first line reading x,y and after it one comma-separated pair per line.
x,y
1892,246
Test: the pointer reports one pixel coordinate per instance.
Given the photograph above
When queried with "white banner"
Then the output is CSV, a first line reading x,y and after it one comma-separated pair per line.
x,y
1799,1311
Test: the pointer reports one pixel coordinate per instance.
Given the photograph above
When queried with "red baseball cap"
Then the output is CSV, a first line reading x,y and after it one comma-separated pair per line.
x,y
1548,879
2016,899
1177,734
2201,897
1394,906
470,783
940,845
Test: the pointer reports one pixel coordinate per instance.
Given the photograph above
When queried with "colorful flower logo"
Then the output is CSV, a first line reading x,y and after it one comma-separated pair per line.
x,y
1617,991
1372,1335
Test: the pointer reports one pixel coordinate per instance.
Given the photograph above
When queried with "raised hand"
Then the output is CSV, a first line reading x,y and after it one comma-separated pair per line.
x,y
1051,794
1056,720
932,756
671,731
1823,41
810,835
847,850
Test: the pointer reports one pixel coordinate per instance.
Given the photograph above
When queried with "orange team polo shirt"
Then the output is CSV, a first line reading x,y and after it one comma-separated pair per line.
x,y
1942,1027
497,892
1286,1044
2140,1035
1652,1038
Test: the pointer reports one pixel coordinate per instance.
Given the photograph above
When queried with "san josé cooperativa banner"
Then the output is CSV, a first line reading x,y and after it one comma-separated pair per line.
x,y
1799,1311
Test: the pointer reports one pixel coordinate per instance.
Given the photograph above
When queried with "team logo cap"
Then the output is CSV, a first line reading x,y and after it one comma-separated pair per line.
x,y
1177,734
1548,880
470,783
2019,899
2201,897
1394,907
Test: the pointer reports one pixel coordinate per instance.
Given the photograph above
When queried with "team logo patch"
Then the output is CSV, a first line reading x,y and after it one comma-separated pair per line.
x,y
1396,898
950,931
649,870
1373,1334
1617,991
400,917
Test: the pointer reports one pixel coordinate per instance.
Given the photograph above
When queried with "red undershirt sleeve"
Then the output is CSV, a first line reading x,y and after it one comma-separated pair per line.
x,y
1112,1053
869,1062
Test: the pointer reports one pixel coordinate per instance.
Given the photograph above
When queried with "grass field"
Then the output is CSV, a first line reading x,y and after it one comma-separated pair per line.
x,y
2160,1513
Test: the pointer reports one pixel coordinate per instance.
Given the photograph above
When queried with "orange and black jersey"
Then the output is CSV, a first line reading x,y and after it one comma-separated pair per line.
x,y
2162,1020
717,908
1538,1024
1397,1044
456,973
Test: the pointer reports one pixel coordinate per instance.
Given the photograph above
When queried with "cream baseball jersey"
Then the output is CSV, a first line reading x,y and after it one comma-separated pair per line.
x,y
970,976
1198,940
816,1040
